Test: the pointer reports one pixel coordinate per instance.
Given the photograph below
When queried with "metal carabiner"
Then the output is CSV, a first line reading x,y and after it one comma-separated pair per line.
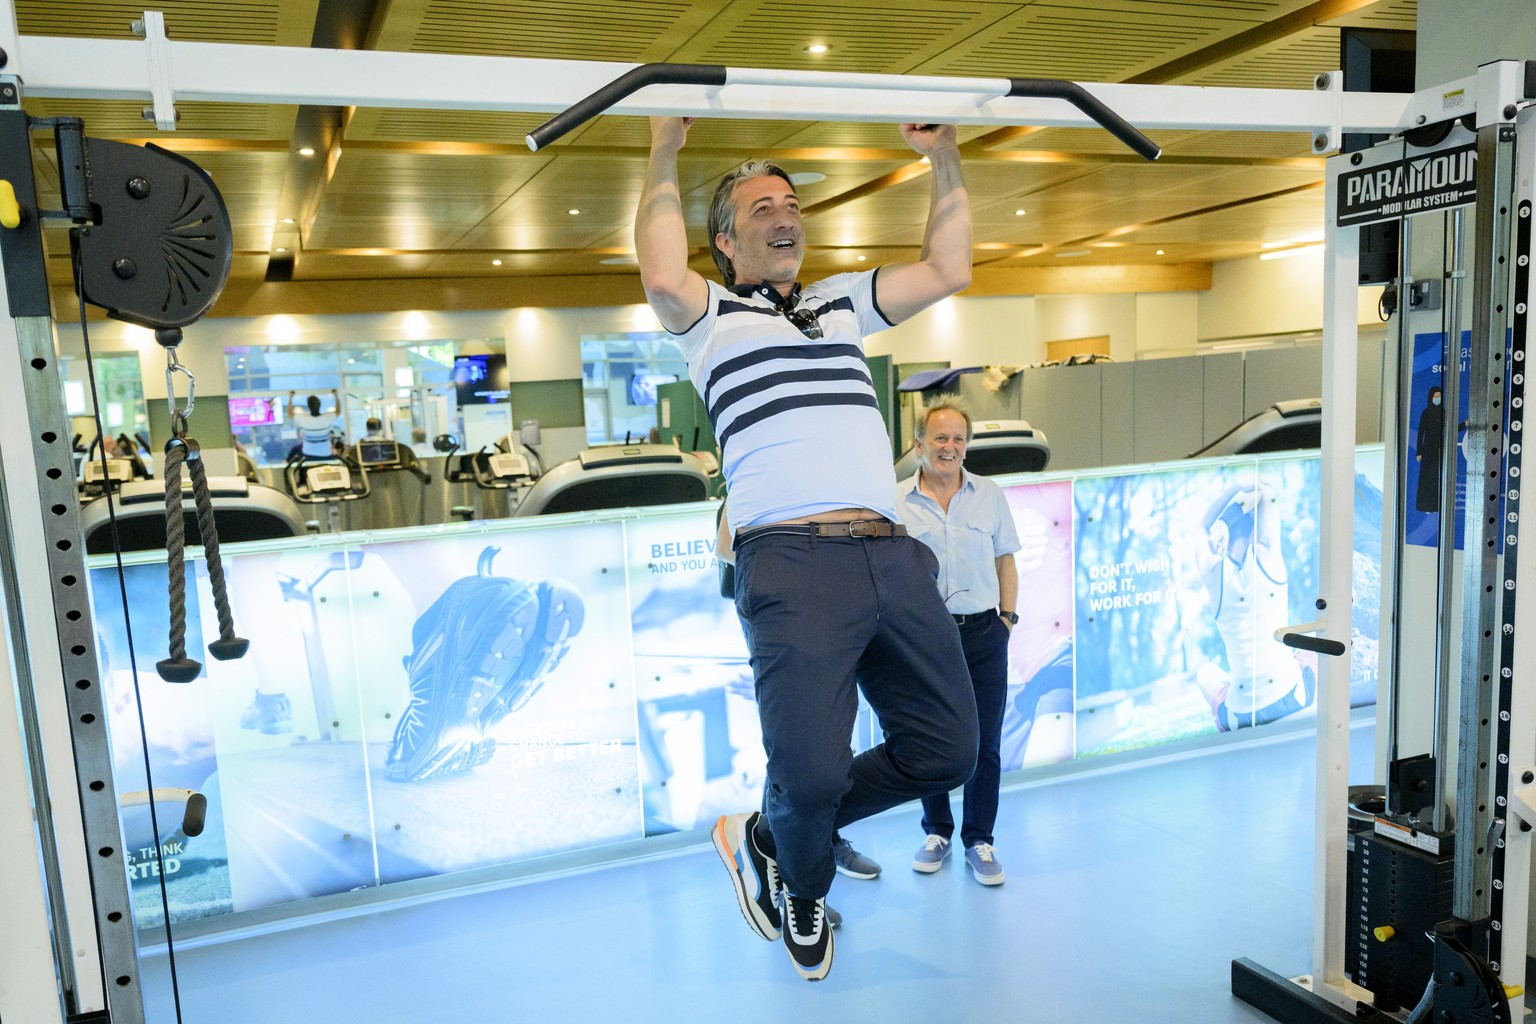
x,y
180,416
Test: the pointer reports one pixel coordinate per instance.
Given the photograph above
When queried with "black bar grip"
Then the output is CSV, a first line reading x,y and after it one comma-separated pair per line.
x,y
631,81
1088,103
1316,644
195,816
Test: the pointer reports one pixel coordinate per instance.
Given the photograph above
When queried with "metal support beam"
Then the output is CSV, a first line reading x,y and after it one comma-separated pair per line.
x,y
124,69
1340,352
1485,416
29,990
60,685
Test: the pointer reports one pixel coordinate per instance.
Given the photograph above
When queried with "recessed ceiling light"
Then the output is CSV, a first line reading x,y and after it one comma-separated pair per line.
x,y
806,177
1018,213
286,220
861,259
1160,252
573,212
307,151
817,48
1069,253
495,263
280,249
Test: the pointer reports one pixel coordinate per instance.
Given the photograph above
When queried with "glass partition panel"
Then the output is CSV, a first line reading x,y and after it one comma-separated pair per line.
x,y
425,702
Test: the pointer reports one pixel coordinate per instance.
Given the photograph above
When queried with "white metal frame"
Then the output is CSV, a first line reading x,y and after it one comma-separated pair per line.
x,y
28,990
1340,354
161,72
1496,89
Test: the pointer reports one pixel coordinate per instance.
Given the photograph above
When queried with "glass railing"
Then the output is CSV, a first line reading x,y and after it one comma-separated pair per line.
x,y
422,702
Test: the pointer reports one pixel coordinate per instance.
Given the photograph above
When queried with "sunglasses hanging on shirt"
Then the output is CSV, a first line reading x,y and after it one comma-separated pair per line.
x,y
803,319
806,321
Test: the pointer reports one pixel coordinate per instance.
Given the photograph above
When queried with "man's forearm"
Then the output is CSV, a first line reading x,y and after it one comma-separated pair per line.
x,y
1007,584
947,239
661,239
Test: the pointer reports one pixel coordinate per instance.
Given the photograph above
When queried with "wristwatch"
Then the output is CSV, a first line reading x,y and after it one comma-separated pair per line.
x,y
1012,617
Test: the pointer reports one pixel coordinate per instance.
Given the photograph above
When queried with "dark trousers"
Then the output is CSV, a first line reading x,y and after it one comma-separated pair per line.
x,y
985,640
824,617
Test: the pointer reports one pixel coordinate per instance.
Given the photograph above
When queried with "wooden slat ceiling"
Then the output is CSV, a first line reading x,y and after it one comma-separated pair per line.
x,y
438,196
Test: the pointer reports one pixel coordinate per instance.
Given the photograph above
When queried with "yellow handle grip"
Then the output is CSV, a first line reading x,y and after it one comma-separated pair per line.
x,y
10,209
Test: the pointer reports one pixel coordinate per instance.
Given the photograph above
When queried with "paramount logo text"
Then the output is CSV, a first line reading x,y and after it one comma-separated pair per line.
x,y
1411,186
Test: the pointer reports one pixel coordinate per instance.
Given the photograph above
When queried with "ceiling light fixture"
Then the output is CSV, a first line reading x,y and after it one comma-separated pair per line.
x,y
495,263
1302,240
618,261
1018,213
1284,254
307,151
1160,252
806,177
280,249
861,259
286,220
573,212
1069,253
817,48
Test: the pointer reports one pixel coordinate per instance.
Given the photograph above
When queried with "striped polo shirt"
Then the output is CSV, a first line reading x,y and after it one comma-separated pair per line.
x,y
797,422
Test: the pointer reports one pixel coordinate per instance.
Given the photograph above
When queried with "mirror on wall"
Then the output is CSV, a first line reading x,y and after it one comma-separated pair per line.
x,y
415,391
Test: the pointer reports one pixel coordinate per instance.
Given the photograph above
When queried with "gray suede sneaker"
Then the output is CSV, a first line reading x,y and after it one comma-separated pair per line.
x,y
851,862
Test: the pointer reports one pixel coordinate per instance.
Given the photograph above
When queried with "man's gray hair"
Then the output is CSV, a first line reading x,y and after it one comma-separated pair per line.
x,y
945,403
722,211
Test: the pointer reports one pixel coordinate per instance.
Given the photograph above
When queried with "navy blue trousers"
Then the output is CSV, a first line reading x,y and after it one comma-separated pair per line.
x,y
985,640
827,616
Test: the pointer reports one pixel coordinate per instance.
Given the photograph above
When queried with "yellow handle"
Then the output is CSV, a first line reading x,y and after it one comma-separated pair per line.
x,y
10,209
1510,991
1384,933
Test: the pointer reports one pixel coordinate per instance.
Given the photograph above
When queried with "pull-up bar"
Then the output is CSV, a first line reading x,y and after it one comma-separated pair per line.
x,y
715,75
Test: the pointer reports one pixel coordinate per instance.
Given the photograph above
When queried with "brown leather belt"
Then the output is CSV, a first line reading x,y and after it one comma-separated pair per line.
x,y
854,528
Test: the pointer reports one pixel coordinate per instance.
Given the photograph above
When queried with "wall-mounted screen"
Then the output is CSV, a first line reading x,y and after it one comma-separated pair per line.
x,y
642,386
254,412
480,379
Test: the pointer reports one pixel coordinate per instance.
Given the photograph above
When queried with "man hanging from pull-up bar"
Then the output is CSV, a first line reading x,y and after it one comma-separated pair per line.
x,y
830,589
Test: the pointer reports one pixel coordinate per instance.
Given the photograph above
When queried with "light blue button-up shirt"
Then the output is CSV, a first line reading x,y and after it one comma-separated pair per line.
x,y
968,539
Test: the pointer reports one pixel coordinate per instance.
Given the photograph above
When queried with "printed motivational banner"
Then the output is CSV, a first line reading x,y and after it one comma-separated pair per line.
x,y
473,698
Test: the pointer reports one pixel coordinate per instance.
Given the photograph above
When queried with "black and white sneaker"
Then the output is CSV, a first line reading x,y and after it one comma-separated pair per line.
x,y
754,873
808,936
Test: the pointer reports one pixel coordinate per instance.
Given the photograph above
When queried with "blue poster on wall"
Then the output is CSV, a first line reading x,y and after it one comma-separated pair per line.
x,y
172,726
423,706
1182,578
419,704
700,737
1425,441
1038,722
700,744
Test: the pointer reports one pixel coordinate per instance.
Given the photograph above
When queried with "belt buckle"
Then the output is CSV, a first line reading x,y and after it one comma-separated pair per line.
x,y
863,528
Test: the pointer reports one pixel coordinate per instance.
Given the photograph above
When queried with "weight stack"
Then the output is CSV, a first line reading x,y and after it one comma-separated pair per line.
x,y
1398,894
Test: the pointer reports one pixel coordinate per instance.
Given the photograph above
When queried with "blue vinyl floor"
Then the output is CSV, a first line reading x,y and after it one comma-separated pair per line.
x,y
1129,893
